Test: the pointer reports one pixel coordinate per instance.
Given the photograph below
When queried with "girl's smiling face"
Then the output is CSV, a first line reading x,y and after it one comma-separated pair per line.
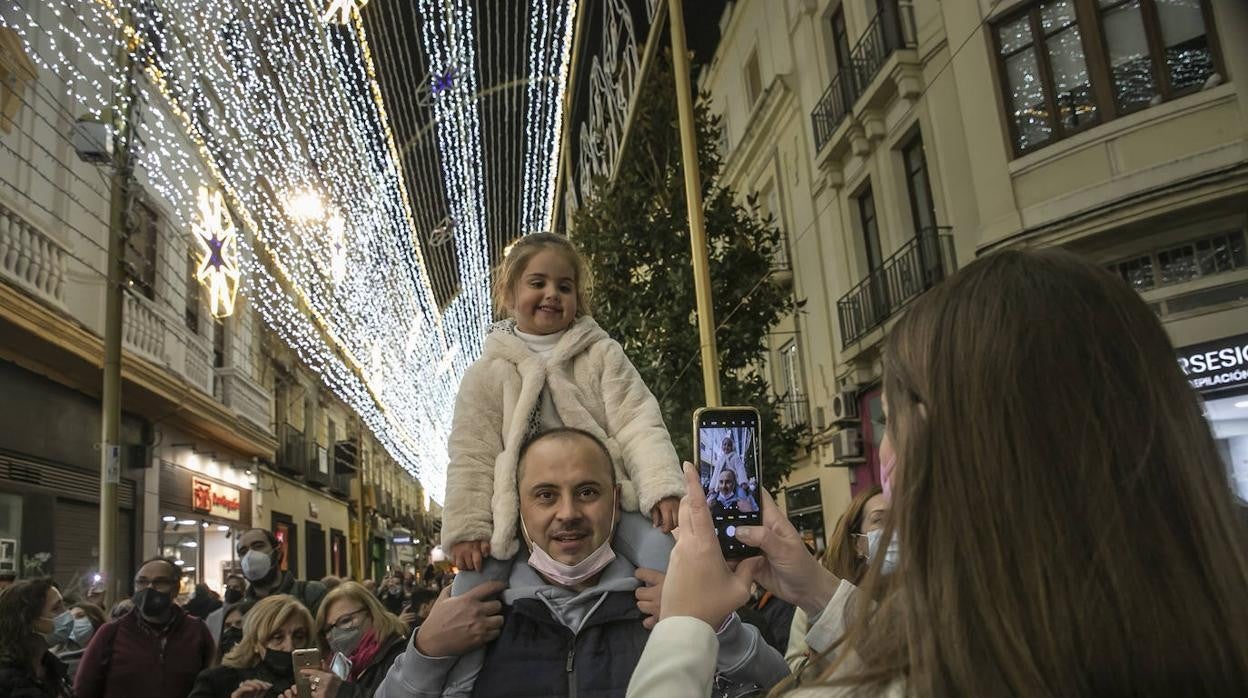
x,y
543,300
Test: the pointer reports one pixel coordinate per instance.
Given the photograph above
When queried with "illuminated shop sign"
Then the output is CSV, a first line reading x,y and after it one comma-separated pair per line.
x,y
1218,366
215,499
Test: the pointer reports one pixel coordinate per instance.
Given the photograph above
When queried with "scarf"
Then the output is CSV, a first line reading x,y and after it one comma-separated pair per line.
x,y
364,654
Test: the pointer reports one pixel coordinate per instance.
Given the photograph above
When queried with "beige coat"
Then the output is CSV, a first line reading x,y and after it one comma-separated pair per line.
x,y
594,387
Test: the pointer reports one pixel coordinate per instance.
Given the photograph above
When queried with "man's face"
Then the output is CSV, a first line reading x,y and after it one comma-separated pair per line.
x,y
236,583
567,499
727,482
727,445
157,575
254,540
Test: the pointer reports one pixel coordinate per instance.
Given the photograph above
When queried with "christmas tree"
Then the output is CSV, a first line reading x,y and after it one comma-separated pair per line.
x,y
634,232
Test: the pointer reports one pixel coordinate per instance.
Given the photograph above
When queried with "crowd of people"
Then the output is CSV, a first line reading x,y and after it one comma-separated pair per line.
x,y
1053,518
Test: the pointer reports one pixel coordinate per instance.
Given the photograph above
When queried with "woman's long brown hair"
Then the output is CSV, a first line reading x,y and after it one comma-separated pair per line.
x,y
841,557
1066,524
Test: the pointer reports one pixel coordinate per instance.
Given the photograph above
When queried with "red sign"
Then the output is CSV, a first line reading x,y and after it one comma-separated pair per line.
x,y
216,499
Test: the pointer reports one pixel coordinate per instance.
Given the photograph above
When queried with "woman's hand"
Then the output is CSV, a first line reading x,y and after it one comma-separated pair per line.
x,y
323,684
251,688
665,514
786,568
699,583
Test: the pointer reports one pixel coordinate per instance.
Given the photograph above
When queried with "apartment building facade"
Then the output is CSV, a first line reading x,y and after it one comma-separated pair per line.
x,y
895,141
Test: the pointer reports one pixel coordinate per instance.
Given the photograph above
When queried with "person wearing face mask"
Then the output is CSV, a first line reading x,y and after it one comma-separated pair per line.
x,y
261,664
232,629
235,588
352,622
261,554
849,551
156,649
33,619
570,621
87,619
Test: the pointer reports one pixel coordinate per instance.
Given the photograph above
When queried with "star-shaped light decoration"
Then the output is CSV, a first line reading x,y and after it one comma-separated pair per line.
x,y
218,266
342,8
444,82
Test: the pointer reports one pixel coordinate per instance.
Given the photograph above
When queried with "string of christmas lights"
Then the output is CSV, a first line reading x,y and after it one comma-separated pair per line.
x,y
277,106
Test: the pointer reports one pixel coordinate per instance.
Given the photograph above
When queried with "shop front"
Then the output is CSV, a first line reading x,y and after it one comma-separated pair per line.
x,y
1218,371
311,524
201,518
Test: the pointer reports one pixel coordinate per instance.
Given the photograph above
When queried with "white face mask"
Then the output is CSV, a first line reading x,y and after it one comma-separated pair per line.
x,y
256,565
82,632
892,554
571,575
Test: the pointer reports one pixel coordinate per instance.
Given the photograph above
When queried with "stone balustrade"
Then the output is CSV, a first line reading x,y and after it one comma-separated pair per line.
x,y
32,259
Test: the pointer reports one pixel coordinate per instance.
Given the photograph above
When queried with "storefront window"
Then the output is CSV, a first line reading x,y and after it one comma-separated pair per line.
x,y
804,504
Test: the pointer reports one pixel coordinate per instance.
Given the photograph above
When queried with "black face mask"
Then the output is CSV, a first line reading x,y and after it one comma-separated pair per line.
x,y
153,603
229,638
233,595
280,663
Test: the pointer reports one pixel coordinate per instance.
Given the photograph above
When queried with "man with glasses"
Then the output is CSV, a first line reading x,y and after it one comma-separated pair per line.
x,y
156,649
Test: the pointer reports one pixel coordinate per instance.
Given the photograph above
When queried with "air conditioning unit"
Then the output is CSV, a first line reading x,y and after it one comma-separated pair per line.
x,y
93,141
847,447
845,407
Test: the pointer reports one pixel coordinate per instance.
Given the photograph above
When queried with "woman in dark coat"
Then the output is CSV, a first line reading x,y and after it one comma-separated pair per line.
x,y
352,622
260,664
33,618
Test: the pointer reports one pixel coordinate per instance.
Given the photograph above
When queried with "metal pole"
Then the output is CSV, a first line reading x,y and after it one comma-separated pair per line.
x,y
110,442
693,201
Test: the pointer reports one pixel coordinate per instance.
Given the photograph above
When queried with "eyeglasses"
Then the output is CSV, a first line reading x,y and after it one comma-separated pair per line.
x,y
347,620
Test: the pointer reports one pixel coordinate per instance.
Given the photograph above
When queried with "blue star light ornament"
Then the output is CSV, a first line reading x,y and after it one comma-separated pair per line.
x,y
218,246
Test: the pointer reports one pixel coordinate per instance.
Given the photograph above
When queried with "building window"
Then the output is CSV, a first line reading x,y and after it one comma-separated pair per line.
x,y
753,78
1194,259
192,293
922,207
804,505
794,400
1156,50
139,255
1069,64
870,228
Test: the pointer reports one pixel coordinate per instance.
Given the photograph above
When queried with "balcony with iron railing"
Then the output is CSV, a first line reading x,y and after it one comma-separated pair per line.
x,y
924,261
292,458
892,29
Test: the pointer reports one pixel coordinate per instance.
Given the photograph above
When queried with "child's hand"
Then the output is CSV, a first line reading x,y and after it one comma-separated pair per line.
x,y
468,554
663,515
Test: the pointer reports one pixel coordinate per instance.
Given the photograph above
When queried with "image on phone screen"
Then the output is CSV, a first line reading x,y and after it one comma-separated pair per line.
x,y
728,463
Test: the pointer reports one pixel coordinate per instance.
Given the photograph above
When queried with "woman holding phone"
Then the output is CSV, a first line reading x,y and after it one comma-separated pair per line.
x,y
1103,554
260,665
352,622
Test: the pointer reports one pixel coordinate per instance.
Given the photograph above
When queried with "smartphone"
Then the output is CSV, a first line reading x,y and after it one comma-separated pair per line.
x,y
729,457
305,659
341,666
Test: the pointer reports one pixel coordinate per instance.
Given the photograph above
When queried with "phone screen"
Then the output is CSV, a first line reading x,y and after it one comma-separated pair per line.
x,y
729,456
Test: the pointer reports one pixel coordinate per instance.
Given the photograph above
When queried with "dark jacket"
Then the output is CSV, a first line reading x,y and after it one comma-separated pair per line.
x,y
536,655
128,658
17,681
308,593
221,681
393,600
372,676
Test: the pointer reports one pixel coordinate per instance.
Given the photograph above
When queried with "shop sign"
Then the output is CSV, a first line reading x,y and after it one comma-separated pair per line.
x,y
1217,366
215,499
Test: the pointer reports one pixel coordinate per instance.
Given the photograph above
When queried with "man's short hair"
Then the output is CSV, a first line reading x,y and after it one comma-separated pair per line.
x,y
563,434
177,570
268,535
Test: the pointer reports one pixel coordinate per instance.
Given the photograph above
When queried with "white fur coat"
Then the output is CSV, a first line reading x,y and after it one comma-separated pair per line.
x,y
594,387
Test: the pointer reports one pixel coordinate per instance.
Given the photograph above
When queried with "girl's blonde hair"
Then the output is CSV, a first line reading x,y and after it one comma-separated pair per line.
x,y
508,273
264,619
385,623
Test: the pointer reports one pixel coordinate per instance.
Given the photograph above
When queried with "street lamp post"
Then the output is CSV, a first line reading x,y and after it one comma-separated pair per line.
x,y
693,202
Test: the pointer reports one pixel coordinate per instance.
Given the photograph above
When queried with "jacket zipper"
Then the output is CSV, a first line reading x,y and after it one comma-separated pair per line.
x,y
571,669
